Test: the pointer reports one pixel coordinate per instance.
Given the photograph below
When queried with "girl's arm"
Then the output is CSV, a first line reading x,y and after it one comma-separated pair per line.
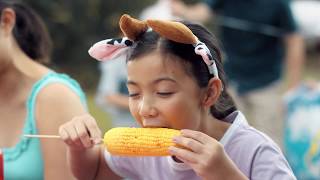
x,y
85,156
90,164
104,171
84,162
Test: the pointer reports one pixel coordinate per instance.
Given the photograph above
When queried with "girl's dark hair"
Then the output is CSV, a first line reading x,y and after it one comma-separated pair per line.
x,y
29,31
193,63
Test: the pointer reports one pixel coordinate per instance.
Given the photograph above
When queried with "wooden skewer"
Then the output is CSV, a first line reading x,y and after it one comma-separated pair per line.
x,y
41,136
51,137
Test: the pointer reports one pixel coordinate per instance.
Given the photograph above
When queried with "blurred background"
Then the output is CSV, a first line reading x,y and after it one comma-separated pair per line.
x,y
75,25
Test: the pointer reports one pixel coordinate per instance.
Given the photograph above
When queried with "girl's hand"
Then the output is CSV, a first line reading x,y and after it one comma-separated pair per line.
x,y
205,156
81,132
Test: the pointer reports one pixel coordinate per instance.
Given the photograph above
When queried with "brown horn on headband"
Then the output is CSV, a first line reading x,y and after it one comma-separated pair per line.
x,y
131,27
174,31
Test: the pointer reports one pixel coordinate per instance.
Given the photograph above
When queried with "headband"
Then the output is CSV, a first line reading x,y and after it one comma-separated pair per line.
x,y
132,28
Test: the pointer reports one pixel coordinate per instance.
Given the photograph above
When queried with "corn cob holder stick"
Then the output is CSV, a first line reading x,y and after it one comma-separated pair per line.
x,y
41,136
46,136
124,141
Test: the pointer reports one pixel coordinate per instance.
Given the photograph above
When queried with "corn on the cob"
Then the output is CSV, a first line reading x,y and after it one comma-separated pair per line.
x,y
140,141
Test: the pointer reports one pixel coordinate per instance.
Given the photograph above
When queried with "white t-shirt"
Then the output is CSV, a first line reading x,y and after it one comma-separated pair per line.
x,y
256,155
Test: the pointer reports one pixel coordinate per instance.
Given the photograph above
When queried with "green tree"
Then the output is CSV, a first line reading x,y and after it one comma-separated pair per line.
x,y
75,25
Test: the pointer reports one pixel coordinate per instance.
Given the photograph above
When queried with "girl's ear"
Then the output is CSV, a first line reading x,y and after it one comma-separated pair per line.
x,y
212,93
8,20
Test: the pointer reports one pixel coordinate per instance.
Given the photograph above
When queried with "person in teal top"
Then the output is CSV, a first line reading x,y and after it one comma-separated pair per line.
x,y
33,98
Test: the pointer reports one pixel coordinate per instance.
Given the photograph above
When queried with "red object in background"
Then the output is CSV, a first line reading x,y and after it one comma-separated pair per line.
x,y
1,166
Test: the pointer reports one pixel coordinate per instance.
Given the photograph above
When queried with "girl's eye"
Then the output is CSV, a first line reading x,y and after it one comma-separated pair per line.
x,y
164,93
133,94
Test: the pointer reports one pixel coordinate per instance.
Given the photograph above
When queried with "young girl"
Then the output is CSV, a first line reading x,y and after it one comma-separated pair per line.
x,y
175,80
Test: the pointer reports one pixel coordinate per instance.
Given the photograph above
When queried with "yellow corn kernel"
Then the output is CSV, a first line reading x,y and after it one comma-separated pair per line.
x,y
140,141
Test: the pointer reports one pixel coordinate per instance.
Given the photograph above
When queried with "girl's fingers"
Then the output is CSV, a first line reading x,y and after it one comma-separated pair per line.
x,y
93,129
184,160
65,136
196,135
183,154
83,134
189,143
74,135
79,131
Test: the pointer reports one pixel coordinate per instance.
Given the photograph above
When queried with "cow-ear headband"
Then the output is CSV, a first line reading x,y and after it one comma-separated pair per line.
x,y
132,28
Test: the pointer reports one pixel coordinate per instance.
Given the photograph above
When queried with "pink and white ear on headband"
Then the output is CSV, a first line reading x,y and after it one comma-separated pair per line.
x,y
202,50
110,48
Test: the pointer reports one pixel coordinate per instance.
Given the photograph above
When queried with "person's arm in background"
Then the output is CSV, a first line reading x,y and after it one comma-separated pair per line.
x,y
295,59
294,45
118,100
199,12
107,93
56,105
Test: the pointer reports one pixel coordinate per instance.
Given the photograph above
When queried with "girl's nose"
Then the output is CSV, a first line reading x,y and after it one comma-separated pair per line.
x,y
146,108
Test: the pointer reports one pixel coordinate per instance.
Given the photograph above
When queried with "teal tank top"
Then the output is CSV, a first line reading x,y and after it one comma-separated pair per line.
x,y
24,160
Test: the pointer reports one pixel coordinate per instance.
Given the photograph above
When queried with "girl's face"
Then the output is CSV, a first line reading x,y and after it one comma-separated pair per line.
x,y
161,94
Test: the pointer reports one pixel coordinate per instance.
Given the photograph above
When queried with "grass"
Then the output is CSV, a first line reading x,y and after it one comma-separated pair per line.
x,y
312,67
103,119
